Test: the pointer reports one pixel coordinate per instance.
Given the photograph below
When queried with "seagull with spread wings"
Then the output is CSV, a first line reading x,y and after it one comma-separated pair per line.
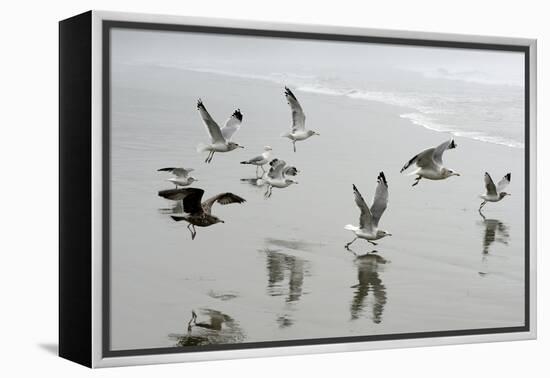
x,y
430,163
220,136
277,176
198,213
368,221
298,130
494,193
181,176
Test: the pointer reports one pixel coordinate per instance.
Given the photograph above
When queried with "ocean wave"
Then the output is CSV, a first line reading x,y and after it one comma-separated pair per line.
x,y
425,107
431,124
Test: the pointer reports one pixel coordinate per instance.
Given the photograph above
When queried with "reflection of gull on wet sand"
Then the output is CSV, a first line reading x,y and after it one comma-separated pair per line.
x,y
198,213
495,231
370,283
218,329
281,265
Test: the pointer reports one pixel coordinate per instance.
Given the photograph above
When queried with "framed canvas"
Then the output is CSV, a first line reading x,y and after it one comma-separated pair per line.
x,y
234,189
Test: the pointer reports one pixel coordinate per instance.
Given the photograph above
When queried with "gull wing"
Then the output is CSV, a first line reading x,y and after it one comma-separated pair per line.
x,y
502,184
232,125
211,126
254,160
179,172
431,157
222,199
276,170
365,219
290,171
298,116
190,197
438,152
490,185
422,160
380,201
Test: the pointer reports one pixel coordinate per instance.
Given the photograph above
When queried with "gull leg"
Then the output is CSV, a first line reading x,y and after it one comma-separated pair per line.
x,y
294,145
373,243
481,206
209,153
418,178
347,245
194,233
191,231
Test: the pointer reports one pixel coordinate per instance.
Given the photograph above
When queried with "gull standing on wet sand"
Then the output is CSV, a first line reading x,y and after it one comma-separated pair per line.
x,y
494,193
260,160
220,137
181,178
298,128
430,163
195,212
368,221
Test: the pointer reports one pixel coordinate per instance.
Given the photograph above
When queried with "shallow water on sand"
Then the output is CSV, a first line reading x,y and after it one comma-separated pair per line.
x,y
277,268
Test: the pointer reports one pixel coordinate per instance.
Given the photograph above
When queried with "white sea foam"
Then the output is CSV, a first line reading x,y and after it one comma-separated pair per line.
x,y
426,109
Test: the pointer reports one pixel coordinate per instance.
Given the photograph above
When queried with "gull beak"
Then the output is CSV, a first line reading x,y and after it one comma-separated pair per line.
x,y
222,221
240,146
389,234
457,174
316,133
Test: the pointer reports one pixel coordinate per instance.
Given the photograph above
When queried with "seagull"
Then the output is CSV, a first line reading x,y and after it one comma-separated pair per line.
x,y
182,176
494,193
198,213
260,160
298,128
430,163
368,221
276,177
220,137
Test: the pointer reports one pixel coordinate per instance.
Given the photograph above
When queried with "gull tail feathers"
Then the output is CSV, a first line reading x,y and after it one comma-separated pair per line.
x,y
351,227
178,218
202,147
286,135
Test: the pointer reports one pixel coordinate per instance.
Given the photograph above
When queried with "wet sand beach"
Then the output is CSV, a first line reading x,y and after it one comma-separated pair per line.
x,y
277,268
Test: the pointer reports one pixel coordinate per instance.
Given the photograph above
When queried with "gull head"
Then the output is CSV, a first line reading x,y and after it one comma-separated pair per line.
x,y
232,145
503,194
192,179
381,234
449,172
311,132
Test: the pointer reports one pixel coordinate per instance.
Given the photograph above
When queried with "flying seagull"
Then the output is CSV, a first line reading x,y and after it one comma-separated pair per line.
x,y
220,137
495,193
181,178
260,160
368,221
430,163
198,213
298,128
277,176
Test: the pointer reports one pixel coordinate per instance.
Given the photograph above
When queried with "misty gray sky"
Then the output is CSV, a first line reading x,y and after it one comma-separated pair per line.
x,y
245,53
